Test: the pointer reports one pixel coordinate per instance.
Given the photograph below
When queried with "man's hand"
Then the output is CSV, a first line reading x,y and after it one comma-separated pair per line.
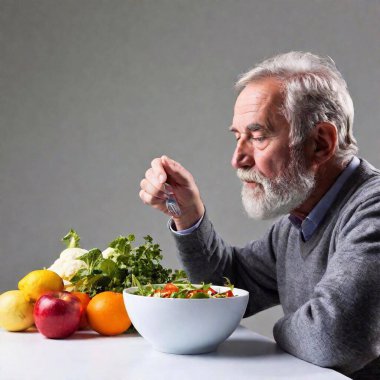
x,y
165,170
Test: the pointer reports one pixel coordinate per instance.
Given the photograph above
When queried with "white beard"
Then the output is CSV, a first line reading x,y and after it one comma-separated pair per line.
x,y
273,197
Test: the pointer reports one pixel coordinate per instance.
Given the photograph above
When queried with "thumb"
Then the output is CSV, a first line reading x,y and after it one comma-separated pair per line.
x,y
176,172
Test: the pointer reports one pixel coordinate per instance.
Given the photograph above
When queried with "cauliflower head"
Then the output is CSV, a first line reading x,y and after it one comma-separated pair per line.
x,y
67,265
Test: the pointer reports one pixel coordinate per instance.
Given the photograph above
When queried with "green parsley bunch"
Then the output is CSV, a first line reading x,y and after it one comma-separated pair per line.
x,y
114,269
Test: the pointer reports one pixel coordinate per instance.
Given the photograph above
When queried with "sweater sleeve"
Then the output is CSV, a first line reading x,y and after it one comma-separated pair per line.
x,y
207,258
339,326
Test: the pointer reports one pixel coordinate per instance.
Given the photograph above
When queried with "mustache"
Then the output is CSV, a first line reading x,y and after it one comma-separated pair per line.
x,y
250,175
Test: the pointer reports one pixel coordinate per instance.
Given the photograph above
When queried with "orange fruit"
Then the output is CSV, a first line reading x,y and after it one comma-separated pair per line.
x,y
106,314
84,299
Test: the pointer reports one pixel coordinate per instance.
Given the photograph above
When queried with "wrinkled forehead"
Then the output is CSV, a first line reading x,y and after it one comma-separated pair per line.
x,y
259,95
258,101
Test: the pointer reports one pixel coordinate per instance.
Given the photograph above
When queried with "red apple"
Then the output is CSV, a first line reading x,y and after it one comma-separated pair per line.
x,y
57,314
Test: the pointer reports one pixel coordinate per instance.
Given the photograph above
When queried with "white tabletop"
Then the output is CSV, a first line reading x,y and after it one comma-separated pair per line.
x,y
87,355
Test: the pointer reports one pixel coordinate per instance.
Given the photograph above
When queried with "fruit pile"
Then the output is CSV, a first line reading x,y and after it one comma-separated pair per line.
x,y
42,300
83,289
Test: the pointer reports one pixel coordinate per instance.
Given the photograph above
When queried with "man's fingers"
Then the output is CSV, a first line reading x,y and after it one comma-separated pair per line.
x,y
176,171
147,186
156,203
151,176
159,170
151,200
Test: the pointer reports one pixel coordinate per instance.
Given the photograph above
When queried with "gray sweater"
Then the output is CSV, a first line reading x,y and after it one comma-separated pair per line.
x,y
329,286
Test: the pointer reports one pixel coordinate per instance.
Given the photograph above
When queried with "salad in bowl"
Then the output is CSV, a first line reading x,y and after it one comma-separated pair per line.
x,y
185,318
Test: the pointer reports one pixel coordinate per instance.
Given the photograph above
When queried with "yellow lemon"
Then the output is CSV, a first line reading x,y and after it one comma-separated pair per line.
x,y
16,313
39,282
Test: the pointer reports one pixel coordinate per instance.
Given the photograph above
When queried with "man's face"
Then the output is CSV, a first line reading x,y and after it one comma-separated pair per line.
x,y
275,177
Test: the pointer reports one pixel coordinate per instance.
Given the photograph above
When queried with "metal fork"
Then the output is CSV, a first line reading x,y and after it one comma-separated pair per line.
x,y
171,202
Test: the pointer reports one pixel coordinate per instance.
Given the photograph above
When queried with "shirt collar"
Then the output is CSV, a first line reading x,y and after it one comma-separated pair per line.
x,y
309,225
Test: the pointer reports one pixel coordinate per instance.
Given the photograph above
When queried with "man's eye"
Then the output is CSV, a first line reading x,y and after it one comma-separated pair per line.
x,y
258,139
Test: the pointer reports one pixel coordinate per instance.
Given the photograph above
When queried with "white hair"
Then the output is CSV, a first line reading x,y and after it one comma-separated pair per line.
x,y
314,91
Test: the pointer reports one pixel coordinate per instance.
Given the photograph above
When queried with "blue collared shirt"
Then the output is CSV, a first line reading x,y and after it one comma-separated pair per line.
x,y
309,225
188,231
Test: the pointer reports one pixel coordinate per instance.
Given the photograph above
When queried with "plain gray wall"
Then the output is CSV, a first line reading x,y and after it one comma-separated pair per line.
x,y
92,90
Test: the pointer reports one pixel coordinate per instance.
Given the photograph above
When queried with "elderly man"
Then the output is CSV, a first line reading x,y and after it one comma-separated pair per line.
x,y
296,157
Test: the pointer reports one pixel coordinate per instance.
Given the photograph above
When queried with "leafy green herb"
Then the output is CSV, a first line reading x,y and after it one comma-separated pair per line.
x,y
92,258
124,266
144,290
228,283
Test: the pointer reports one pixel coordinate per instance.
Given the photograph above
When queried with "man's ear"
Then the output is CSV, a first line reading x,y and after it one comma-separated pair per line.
x,y
325,141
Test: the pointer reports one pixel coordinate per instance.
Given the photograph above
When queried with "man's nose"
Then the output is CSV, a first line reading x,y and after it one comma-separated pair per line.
x,y
243,156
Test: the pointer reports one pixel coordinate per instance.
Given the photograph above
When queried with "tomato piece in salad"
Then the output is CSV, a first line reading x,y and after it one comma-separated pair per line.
x,y
226,294
170,287
209,292
166,291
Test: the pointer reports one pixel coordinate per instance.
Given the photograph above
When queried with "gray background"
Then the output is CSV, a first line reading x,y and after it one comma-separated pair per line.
x,y
91,91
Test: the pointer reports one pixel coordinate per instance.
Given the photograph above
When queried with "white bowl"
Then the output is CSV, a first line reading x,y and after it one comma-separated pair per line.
x,y
186,326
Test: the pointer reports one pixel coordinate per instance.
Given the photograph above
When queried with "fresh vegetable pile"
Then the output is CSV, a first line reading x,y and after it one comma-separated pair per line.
x,y
181,290
112,269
